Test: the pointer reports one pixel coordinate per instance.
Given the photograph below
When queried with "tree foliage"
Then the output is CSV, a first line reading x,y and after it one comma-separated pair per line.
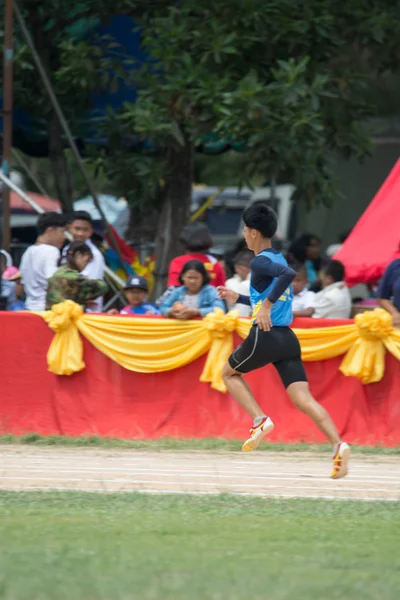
x,y
285,79
77,67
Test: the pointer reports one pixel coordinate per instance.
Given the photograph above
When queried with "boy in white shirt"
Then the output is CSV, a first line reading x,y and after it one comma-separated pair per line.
x,y
334,300
40,262
240,282
80,226
303,299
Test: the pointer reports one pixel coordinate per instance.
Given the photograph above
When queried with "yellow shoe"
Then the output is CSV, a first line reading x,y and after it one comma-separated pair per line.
x,y
257,434
340,461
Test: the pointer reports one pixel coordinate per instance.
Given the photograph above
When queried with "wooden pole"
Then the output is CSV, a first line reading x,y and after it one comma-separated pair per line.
x,y
7,117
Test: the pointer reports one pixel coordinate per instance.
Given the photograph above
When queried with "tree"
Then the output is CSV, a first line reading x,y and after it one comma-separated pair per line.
x,y
286,79
77,66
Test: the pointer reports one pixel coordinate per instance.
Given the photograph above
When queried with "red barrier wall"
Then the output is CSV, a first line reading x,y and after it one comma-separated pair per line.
x,y
107,400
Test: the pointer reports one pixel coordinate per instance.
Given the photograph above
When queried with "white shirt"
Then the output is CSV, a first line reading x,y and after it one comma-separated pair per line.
x,y
94,270
303,300
240,286
38,263
333,302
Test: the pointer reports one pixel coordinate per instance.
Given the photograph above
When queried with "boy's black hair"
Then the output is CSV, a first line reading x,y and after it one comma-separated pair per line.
x,y
335,269
195,265
49,220
243,258
196,237
261,217
80,215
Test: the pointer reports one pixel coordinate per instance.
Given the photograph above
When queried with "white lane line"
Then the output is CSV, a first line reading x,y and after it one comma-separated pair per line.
x,y
233,457
275,475
242,465
286,466
203,493
181,484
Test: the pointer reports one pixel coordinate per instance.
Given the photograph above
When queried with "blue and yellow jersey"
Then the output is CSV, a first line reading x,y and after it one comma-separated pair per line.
x,y
271,278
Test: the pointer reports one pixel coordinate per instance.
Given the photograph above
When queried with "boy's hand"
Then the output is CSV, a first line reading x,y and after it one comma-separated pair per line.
x,y
263,318
225,293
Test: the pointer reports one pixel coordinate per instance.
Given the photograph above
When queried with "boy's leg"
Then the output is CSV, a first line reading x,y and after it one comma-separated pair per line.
x,y
301,397
240,390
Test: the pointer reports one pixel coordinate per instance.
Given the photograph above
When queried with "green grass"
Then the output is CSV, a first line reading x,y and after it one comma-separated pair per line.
x,y
63,546
177,444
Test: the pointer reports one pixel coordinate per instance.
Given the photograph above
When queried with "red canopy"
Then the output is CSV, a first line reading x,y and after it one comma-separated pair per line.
x,y
375,240
45,202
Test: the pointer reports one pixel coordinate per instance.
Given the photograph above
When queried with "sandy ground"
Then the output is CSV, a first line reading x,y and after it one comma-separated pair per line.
x,y
266,474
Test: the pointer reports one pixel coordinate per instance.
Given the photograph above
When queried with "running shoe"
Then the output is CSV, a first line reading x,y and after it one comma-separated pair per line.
x,y
340,461
257,434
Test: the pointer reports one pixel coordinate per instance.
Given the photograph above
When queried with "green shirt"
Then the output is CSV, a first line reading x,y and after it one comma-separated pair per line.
x,y
68,284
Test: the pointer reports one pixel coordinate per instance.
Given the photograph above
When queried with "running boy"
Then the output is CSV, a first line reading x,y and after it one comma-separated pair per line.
x,y
271,340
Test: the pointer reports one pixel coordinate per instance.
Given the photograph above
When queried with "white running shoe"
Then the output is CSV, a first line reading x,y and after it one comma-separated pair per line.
x,y
257,434
341,461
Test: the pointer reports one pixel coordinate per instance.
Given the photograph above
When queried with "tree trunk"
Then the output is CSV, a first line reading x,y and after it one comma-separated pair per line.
x,y
175,211
58,162
59,165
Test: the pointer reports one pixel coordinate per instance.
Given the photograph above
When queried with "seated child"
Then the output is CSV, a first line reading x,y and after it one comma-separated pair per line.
x,y
334,300
303,299
135,291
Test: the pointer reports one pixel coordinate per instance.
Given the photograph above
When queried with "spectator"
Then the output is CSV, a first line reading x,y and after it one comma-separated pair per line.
x,y
12,274
80,226
230,255
306,249
7,288
40,261
389,291
135,291
195,297
334,300
303,299
240,282
197,241
68,283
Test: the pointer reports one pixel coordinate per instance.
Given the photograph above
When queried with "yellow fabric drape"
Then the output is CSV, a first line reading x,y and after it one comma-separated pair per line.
x,y
155,345
65,355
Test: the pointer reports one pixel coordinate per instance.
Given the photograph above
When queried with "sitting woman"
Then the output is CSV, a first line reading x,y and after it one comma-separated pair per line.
x,y
67,283
195,297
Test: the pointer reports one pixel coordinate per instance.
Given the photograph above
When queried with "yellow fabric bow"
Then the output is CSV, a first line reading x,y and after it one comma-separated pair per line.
x,y
65,355
366,357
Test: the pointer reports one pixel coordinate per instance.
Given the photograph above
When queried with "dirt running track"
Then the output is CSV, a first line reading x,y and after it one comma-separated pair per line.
x,y
266,474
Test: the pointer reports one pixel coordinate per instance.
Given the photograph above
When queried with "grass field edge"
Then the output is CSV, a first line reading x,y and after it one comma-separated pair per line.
x,y
178,444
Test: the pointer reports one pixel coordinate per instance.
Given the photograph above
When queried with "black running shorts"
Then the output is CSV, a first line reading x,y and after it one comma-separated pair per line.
x,y
279,347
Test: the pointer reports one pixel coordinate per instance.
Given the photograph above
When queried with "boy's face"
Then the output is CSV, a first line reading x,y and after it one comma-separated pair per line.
x,y
56,236
81,231
250,235
135,296
299,283
19,289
